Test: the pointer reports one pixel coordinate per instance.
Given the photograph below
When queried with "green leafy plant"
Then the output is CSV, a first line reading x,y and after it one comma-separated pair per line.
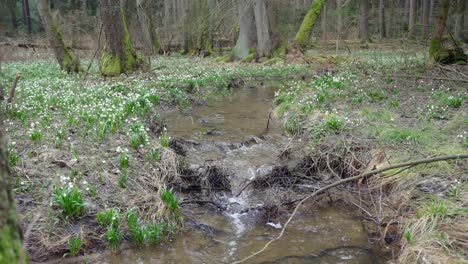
x,y
14,158
124,161
69,200
113,237
123,178
74,245
333,123
169,199
109,217
35,135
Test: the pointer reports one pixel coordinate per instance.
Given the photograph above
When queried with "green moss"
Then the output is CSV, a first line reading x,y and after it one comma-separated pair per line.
x,y
129,60
308,23
156,43
280,51
110,65
10,246
435,46
68,63
249,57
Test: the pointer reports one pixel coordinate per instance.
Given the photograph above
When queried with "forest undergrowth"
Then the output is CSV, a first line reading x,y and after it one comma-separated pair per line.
x,y
370,112
92,158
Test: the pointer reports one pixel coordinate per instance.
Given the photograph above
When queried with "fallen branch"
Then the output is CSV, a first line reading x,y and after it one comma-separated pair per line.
x,y
426,77
351,179
11,96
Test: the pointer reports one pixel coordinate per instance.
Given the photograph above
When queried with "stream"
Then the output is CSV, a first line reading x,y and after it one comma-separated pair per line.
x,y
319,233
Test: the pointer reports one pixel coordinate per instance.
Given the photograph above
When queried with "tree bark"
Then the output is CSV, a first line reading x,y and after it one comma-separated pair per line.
x,y
382,26
148,27
27,16
412,19
12,10
435,45
460,21
119,56
302,36
339,22
364,22
324,24
62,53
264,45
247,31
11,250
425,19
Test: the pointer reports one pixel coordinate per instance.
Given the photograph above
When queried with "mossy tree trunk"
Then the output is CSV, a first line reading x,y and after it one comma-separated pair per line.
x,y
119,56
435,45
247,32
264,45
145,16
302,37
62,53
11,250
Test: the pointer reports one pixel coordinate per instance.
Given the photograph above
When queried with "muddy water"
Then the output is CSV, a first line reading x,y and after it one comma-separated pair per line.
x,y
318,234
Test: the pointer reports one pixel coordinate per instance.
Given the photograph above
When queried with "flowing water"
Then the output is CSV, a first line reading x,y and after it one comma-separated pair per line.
x,y
318,233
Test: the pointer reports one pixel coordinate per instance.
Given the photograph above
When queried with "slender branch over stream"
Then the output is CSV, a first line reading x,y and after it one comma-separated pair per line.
x,y
351,179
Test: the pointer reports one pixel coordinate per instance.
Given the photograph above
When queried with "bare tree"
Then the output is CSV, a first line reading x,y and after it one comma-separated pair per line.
x,y
12,9
435,45
382,27
412,18
148,27
26,15
364,22
62,53
460,27
324,24
247,31
264,45
119,56
425,18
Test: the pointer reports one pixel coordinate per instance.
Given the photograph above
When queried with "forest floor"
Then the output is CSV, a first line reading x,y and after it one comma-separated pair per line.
x,y
85,153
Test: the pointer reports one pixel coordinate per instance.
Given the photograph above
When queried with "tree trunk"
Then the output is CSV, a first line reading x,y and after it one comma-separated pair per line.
x,y
425,19
247,32
339,22
324,24
412,19
119,56
302,36
62,53
148,27
11,250
383,29
431,12
27,16
392,7
264,45
435,45
364,23
12,10
460,21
